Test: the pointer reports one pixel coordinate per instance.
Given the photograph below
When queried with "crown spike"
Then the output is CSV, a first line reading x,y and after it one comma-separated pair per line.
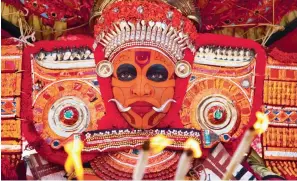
x,y
165,30
109,36
172,37
138,31
128,30
132,28
123,32
168,35
118,31
159,32
154,31
149,30
143,30
174,44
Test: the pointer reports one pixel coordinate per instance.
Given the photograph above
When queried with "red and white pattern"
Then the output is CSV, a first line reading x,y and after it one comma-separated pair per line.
x,y
40,169
216,165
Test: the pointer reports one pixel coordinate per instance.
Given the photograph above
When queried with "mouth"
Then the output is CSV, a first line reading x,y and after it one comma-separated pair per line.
x,y
141,107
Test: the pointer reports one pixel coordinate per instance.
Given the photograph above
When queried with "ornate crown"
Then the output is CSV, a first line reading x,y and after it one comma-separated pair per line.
x,y
151,23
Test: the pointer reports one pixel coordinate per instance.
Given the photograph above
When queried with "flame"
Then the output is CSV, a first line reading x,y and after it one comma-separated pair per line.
x,y
262,122
73,161
194,146
159,142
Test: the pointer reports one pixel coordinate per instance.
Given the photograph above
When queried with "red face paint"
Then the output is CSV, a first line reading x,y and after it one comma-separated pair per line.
x,y
142,58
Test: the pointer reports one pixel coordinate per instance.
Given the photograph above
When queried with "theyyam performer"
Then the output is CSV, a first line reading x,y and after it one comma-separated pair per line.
x,y
151,66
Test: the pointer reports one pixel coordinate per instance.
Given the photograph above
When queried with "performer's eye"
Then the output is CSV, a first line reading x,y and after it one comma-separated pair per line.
x,y
157,73
126,72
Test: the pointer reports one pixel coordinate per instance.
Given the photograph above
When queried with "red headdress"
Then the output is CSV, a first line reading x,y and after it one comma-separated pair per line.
x,y
153,24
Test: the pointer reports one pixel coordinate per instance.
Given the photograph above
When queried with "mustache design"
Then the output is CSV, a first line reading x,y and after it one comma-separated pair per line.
x,y
120,106
126,109
162,108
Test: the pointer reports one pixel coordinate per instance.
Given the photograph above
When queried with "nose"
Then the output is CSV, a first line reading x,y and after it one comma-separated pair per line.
x,y
142,88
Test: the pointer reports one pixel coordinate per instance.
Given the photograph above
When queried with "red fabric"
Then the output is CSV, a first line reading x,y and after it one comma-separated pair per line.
x,y
21,170
8,171
213,13
216,13
74,12
9,41
71,37
287,43
283,58
261,58
5,34
28,129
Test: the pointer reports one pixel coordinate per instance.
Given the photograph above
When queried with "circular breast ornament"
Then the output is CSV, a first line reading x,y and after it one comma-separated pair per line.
x,y
66,107
216,104
68,115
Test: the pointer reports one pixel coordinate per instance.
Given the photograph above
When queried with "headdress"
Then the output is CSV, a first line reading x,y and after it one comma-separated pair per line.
x,y
156,24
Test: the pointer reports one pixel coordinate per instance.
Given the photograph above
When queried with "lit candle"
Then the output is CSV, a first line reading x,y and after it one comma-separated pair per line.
x,y
258,128
191,150
155,145
73,161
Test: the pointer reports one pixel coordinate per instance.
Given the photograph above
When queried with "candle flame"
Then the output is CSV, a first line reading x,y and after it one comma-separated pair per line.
x,y
193,145
73,161
159,142
262,123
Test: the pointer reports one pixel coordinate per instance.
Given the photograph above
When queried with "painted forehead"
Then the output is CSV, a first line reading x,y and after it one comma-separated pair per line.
x,y
142,57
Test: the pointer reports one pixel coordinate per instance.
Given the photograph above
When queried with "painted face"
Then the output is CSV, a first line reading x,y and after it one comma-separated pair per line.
x,y
143,79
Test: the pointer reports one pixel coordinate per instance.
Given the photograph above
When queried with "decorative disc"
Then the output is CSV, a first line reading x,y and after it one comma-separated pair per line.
x,y
104,69
68,115
218,105
183,69
67,107
217,113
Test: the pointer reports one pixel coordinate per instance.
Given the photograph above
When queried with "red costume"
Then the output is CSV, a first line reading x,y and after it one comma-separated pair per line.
x,y
145,53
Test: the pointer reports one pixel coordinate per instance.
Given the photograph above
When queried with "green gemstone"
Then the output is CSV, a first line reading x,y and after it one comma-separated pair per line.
x,y
218,114
68,114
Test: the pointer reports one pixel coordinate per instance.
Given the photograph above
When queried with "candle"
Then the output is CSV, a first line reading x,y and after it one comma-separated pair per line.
x,y
73,161
191,150
258,128
142,161
155,145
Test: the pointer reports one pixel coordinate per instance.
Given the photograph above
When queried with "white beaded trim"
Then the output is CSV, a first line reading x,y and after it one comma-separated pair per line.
x,y
281,108
282,67
149,33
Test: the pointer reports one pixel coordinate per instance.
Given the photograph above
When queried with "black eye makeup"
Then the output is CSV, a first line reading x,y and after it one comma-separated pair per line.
x,y
126,72
157,73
